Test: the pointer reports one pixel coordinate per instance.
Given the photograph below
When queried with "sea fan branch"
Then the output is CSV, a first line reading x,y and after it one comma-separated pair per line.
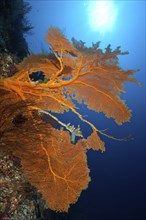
x,y
52,159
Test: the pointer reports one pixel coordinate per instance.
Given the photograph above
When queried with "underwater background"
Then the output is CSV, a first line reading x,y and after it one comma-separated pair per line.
x,y
118,187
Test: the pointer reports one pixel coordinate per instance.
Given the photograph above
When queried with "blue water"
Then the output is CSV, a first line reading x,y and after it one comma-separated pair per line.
x,y
118,187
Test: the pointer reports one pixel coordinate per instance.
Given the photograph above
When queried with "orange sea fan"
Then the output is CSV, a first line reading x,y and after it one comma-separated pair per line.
x,y
57,167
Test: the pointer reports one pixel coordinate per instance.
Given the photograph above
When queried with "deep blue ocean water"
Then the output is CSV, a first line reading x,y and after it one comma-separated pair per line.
x,y
118,187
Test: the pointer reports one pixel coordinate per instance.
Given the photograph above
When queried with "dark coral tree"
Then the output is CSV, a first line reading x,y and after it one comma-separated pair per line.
x,y
57,167
13,26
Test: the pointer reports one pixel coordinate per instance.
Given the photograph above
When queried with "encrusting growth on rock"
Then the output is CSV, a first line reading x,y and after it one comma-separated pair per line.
x,y
52,160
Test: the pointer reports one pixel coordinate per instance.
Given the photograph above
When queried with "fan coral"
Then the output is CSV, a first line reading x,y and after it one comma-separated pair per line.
x,y
52,161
